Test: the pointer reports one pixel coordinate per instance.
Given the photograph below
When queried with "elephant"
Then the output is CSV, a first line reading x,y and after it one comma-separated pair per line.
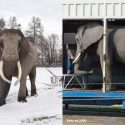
x,y
17,58
115,47
89,39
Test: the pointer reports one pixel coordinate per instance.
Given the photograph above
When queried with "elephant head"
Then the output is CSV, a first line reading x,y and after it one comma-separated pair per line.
x,y
13,48
87,35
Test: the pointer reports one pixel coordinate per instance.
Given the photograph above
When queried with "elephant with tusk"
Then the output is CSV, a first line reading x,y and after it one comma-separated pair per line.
x,y
16,60
89,39
87,35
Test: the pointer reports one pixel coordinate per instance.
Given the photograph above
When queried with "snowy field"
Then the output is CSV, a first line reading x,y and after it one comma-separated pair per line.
x,y
44,109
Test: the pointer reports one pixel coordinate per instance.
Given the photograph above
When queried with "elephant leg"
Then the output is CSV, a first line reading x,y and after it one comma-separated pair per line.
x,y
32,76
107,73
3,92
6,88
26,91
77,65
100,54
22,90
109,85
107,65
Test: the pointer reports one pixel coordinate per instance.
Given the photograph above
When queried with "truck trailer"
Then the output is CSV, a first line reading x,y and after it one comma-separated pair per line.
x,y
108,13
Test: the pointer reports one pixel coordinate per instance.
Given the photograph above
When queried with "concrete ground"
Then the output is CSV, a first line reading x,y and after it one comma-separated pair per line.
x,y
93,115
92,120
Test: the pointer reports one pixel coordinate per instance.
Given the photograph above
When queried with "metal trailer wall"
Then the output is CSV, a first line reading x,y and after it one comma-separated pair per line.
x,y
93,9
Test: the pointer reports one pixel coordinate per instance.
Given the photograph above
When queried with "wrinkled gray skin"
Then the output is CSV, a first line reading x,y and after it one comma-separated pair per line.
x,y
14,47
88,35
116,45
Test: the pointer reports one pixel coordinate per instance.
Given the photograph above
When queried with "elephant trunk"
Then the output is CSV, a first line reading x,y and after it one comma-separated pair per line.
x,y
3,76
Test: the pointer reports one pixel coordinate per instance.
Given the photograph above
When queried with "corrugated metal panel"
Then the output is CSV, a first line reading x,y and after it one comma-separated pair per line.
x,y
84,9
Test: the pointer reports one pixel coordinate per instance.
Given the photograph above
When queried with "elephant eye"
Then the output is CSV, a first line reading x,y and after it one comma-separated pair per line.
x,y
77,40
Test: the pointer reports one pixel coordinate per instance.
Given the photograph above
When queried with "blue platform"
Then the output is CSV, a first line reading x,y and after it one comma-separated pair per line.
x,y
93,98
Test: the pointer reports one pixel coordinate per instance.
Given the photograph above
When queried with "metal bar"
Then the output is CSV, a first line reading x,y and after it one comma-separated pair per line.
x,y
93,99
105,83
79,82
64,81
104,52
50,71
83,82
71,75
69,82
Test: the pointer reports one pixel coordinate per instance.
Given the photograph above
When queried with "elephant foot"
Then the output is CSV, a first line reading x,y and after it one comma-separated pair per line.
x,y
2,103
113,88
110,88
22,99
33,93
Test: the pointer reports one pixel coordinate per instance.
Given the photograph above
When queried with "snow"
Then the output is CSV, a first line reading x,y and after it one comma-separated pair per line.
x,y
44,109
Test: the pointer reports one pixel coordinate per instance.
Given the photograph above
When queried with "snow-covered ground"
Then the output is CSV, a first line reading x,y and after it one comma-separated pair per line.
x,y
44,109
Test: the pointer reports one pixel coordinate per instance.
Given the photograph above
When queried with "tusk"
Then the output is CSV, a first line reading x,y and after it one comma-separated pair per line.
x,y
19,73
77,57
19,70
1,73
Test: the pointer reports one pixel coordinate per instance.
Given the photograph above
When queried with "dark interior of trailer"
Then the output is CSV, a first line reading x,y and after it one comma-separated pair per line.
x,y
70,28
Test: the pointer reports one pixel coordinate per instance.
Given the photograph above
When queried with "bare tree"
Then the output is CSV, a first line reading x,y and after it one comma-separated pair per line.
x,y
12,24
53,41
35,28
2,24
36,32
48,51
43,49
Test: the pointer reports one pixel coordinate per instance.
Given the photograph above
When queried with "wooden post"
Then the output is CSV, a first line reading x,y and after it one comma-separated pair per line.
x,y
104,53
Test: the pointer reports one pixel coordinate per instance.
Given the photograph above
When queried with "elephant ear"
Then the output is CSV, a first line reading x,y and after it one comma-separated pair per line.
x,y
91,34
24,48
1,46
